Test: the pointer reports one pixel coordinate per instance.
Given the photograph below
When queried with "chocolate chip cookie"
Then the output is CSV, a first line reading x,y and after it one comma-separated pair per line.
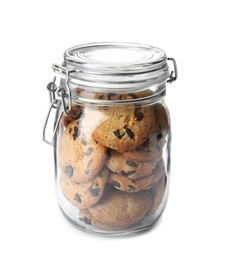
x,y
119,163
148,150
122,182
80,157
117,209
126,127
158,193
84,195
161,119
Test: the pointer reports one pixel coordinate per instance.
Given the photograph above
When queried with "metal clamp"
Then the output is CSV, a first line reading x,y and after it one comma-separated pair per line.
x,y
58,97
173,74
54,105
67,106
52,89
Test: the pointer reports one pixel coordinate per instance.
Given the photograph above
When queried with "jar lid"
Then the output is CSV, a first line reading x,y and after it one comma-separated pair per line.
x,y
116,65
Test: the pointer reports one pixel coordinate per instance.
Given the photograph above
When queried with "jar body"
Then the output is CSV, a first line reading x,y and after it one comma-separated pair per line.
x,y
112,161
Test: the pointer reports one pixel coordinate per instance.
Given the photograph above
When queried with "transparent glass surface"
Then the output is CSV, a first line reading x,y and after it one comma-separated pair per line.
x,y
112,161
105,65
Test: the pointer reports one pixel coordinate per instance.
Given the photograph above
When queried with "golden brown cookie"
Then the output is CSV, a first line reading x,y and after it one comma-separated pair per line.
x,y
158,193
126,127
122,182
119,163
148,150
117,209
84,195
161,119
80,157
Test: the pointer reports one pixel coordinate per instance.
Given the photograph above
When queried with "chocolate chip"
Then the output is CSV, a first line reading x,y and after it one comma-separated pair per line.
x,y
130,173
116,184
139,116
131,163
69,171
70,130
77,198
131,188
76,132
89,163
108,153
117,134
78,116
89,151
130,133
94,191
124,173
87,221
76,129
159,136
132,95
110,95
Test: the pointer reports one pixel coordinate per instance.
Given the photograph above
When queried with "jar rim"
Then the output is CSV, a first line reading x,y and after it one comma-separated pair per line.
x,y
116,64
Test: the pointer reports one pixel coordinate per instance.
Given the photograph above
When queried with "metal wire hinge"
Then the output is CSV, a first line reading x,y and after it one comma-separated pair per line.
x,y
64,94
59,97
173,74
55,104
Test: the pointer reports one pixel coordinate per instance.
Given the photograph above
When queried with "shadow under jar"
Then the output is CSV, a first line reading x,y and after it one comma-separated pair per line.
x,y
111,136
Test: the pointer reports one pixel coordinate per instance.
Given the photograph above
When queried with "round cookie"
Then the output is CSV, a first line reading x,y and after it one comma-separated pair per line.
x,y
80,157
123,183
158,194
148,150
117,209
133,169
88,219
126,127
84,195
161,120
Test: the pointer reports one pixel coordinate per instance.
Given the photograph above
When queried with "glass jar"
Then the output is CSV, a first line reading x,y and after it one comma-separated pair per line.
x,y
111,136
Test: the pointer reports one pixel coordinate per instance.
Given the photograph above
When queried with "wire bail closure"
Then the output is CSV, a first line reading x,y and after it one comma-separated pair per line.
x,y
56,104
64,94
58,97
173,75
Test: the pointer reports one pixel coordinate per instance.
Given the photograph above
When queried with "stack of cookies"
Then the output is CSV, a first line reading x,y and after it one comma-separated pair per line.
x,y
110,158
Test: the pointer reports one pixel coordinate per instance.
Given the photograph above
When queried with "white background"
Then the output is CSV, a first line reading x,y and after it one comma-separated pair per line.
x,y
34,34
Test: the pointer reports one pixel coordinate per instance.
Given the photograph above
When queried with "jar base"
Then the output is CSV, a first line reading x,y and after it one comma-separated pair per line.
x,y
131,231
